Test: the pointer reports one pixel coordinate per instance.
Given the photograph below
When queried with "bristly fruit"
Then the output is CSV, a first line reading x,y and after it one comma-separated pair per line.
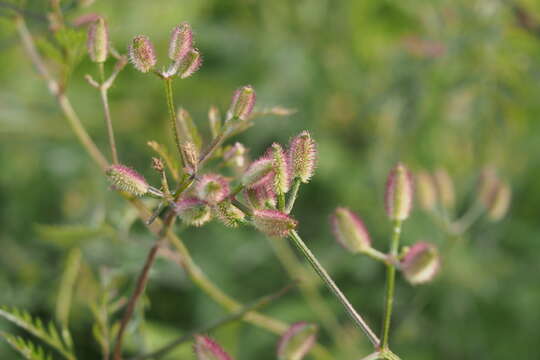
x,y
98,40
141,53
242,103
273,222
297,341
193,211
349,230
207,349
421,263
126,179
228,214
212,188
281,168
258,172
262,196
426,190
181,42
399,193
303,156
190,63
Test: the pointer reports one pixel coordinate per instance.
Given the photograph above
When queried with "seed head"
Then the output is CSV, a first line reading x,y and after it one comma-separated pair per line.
x,y
297,341
193,211
207,349
258,172
98,40
228,214
141,53
181,42
399,193
242,103
212,188
426,190
281,168
126,179
421,263
273,222
190,63
349,230
303,156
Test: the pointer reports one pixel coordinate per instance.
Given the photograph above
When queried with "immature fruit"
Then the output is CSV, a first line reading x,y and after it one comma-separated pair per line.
x,y
421,263
207,349
181,42
303,156
349,230
141,53
273,222
399,193
243,102
98,41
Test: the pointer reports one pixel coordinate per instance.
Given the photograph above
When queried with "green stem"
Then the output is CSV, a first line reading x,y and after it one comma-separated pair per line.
x,y
461,225
375,254
172,115
319,269
293,196
390,284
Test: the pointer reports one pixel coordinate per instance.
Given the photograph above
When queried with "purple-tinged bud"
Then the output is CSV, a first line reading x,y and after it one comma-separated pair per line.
x,y
141,53
190,63
126,179
228,214
273,222
426,190
181,42
421,263
242,103
303,156
98,41
349,230
296,342
261,197
236,155
399,193
212,188
258,172
445,188
193,211
498,201
85,19
207,349
281,168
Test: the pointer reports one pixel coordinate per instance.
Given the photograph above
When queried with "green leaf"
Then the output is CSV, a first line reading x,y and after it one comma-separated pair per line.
x,y
26,348
69,235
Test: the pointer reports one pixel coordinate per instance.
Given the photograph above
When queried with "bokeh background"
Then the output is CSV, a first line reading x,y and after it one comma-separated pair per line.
x,y
448,84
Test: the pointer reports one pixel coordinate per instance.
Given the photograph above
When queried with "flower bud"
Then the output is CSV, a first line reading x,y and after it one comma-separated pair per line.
x,y
273,222
126,179
193,211
421,263
296,342
445,188
498,201
98,41
141,53
282,170
349,230
399,193
262,196
181,42
235,155
426,190
191,62
242,103
228,214
207,349
259,172
303,156
212,188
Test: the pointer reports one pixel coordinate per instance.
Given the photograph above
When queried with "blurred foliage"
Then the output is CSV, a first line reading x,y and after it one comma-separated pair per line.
x,y
449,84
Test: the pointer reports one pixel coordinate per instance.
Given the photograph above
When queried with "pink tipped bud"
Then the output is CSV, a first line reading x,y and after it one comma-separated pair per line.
x,y
297,341
303,156
445,188
399,193
193,211
98,41
282,170
235,155
181,42
426,190
212,188
261,197
349,230
126,179
190,63
498,201
242,103
421,263
273,222
228,214
259,172
207,349
141,53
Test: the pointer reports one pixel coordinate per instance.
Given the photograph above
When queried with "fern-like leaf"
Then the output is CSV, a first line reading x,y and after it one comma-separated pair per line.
x,y
26,348
36,327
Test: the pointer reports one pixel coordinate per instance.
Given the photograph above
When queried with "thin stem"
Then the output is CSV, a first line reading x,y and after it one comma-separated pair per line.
x,y
390,284
110,132
293,196
464,223
172,114
375,254
334,288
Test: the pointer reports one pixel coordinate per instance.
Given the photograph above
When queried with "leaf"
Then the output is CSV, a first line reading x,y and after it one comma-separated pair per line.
x,y
68,235
26,348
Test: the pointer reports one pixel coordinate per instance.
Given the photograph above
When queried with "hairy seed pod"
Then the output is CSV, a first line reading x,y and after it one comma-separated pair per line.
x,y
207,349
141,54
212,188
297,341
181,42
273,222
190,63
303,156
421,263
98,40
242,103
281,168
445,188
126,179
498,201
399,193
193,211
258,172
426,190
349,230
228,214
261,197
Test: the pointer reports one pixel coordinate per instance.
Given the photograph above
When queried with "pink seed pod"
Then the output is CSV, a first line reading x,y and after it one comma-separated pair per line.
x,y
181,42
126,179
498,201
426,190
85,19
445,188
212,188
273,222
141,53
191,62
303,156
207,349
258,172
261,197
242,103
349,230
228,214
297,341
421,263
98,40
281,168
193,211
399,193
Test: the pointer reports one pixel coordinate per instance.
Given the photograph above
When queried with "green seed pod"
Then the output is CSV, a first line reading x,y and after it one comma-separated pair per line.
x,y
399,193
126,179
98,41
